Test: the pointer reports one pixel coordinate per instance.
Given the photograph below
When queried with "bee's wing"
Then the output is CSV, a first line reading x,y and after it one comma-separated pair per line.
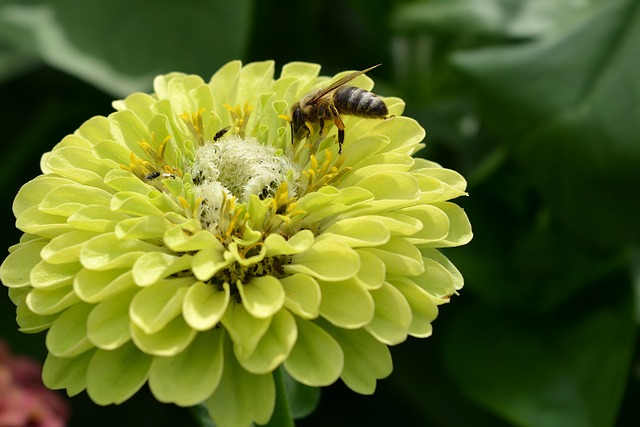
x,y
335,85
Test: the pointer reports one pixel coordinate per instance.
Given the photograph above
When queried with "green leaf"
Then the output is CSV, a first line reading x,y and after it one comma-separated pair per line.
x,y
566,370
80,38
303,399
566,106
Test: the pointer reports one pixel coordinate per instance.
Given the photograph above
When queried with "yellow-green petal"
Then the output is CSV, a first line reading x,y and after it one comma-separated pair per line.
x,y
392,318
68,334
113,376
302,295
346,303
205,304
316,359
262,297
189,377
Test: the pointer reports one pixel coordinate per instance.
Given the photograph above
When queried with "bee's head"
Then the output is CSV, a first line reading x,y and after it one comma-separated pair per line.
x,y
297,118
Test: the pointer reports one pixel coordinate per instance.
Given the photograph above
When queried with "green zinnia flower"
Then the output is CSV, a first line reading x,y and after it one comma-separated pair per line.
x,y
185,242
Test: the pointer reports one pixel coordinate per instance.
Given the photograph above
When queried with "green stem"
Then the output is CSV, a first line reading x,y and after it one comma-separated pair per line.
x,y
282,412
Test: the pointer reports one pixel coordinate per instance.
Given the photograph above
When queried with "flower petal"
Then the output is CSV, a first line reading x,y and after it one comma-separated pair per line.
x,y
16,268
366,359
68,334
346,303
399,256
357,232
326,260
95,286
154,266
169,341
191,376
241,397
155,306
274,346
392,319
113,376
66,248
423,308
108,322
244,329
316,359
263,296
69,373
53,276
205,304
302,295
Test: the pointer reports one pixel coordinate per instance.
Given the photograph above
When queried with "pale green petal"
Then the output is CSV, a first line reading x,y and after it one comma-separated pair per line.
x,y
169,341
106,252
262,297
153,266
113,376
69,373
95,218
435,224
380,163
302,295
423,307
400,257
346,303
94,129
36,222
205,304
108,322
208,262
45,302
241,397
128,130
145,228
359,150
135,204
189,377
459,228
403,132
66,248
95,286
16,268
274,346
329,201
30,322
299,242
68,334
78,164
440,278
316,359
372,270
155,306
244,329
357,232
392,319
67,199
31,194
178,240
53,276
366,359
224,83
391,190
326,260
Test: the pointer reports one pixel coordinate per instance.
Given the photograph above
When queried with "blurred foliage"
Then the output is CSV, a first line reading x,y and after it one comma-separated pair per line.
x,y
536,102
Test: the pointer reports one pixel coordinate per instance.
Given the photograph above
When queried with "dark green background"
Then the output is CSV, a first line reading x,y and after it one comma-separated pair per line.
x,y
536,102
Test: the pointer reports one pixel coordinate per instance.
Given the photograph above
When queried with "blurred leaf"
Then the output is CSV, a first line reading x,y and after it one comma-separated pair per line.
x,y
495,18
303,399
568,106
119,45
568,369
12,63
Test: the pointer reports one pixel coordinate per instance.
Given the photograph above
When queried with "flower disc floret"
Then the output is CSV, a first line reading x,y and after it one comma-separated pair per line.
x,y
183,241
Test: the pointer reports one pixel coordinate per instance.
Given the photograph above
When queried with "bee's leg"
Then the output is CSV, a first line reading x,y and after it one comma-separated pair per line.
x,y
340,125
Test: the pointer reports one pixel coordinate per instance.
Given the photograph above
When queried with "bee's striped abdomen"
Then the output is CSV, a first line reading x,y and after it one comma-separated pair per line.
x,y
359,102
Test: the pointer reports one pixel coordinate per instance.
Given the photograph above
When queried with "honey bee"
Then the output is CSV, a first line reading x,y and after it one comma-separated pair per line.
x,y
328,103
